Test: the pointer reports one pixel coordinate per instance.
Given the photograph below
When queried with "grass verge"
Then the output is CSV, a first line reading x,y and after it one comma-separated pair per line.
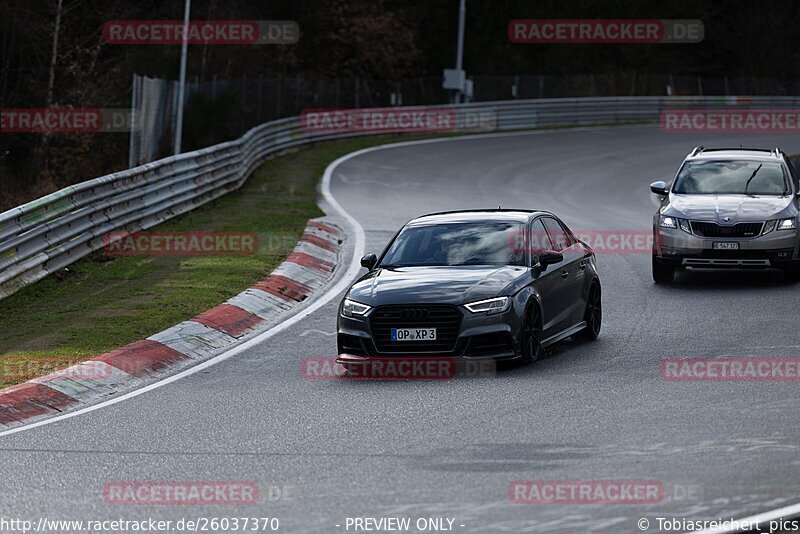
x,y
102,303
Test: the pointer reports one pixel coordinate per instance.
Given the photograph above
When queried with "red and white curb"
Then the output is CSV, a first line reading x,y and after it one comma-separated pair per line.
x,y
308,268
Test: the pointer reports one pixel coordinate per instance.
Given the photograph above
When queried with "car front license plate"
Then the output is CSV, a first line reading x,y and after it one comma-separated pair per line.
x,y
725,245
413,334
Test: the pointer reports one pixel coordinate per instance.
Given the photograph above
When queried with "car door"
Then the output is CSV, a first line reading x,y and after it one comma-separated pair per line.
x,y
551,286
572,270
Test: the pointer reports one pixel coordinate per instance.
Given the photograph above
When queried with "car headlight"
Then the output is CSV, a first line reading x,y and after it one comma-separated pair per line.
x,y
351,308
667,222
787,224
768,227
490,306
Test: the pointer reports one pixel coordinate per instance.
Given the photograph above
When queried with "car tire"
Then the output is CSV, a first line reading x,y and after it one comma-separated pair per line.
x,y
531,339
593,315
662,274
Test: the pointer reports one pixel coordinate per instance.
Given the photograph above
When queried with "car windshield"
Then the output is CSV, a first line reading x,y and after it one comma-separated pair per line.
x,y
466,243
732,177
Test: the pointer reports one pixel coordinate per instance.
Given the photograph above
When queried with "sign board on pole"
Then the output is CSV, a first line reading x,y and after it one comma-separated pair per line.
x,y
454,79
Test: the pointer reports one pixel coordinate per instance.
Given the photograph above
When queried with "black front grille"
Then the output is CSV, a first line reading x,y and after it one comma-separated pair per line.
x,y
446,319
711,229
732,254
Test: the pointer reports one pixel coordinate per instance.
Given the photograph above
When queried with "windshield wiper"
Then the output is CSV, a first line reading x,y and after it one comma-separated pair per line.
x,y
747,185
401,265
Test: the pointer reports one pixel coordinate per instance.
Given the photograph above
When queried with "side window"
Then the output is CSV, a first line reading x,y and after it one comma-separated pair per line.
x,y
558,237
571,239
539,240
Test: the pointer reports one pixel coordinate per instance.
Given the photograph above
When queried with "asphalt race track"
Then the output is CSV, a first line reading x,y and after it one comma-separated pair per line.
x,y
332,449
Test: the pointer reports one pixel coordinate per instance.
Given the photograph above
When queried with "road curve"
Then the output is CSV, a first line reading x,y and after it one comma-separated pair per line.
x,y
596,411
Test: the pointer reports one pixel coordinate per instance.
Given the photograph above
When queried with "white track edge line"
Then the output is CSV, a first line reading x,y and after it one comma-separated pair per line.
x,y
779,513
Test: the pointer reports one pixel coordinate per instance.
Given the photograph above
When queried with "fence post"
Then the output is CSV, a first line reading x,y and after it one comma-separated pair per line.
x,y
297,94
258,98
279,97
244,102
132,157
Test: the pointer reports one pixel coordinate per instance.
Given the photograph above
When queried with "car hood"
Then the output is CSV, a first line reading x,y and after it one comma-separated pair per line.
x,y
736,208
440,285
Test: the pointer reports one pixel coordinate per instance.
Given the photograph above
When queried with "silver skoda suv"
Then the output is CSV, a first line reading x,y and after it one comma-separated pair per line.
x,y
728,208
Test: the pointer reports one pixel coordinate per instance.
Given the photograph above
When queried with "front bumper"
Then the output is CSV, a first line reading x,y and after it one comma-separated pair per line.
x,y
480,337
777,249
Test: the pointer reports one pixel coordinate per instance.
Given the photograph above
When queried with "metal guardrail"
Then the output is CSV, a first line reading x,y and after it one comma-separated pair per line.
x,y
46,235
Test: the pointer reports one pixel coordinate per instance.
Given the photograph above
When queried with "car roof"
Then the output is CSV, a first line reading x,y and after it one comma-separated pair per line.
x,y
513,215
758,154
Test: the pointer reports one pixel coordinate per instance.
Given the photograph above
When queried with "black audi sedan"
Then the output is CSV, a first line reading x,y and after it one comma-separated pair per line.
x,y
490,284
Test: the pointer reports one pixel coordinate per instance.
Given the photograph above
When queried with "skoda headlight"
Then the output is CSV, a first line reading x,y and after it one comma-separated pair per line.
x,y
490,306
665,221
351,308
787,224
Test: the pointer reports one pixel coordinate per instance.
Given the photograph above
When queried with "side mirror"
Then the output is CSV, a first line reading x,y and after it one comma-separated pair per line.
x,y
369,261
659,188
549,257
